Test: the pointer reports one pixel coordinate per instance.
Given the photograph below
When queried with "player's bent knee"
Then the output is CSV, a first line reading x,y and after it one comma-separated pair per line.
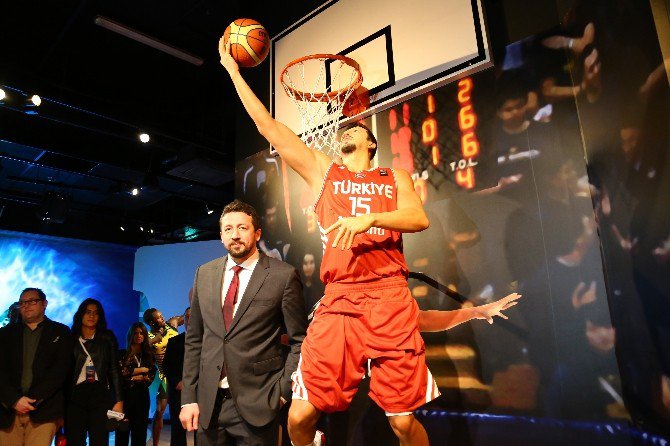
x,y
302,415
402,425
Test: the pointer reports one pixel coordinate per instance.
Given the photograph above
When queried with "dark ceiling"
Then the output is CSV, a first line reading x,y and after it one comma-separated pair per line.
x,y
66,169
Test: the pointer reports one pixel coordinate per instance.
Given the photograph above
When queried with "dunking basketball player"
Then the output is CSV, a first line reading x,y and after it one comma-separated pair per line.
x,y
367,313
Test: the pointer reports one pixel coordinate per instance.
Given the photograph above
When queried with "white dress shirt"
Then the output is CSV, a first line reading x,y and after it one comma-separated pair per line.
x,y
244,277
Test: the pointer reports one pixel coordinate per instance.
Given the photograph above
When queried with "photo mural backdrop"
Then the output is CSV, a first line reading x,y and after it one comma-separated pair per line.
x,y
546,175
69,271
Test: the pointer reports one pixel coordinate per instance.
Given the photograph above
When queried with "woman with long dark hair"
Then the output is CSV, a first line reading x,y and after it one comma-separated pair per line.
x,y
138,369
96,384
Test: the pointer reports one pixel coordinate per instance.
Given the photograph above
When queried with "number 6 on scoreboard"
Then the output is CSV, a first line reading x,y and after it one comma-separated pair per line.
x,y
360,203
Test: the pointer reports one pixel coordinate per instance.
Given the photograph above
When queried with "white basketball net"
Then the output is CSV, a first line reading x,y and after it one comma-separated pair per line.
x,y
320,105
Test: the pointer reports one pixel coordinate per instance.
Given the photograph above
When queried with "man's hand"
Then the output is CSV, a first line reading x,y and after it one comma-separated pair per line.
x,y
189,417
581,297
348,227
509,181
24,405
179,386
118,407
662,252
226,59
495,308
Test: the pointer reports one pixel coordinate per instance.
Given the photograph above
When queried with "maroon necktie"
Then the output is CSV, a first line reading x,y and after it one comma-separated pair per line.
x,y
231,297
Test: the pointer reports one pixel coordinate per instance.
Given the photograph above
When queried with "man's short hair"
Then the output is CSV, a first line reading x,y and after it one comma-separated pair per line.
x,y
245,208
148,316
511,86
371,136
37,290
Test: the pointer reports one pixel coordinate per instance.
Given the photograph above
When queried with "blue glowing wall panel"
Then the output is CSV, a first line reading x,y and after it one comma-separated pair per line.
x,y
164,274
69,271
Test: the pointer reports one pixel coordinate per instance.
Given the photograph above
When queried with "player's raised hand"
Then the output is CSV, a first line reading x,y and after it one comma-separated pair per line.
x,y
496,308
347,228
226,59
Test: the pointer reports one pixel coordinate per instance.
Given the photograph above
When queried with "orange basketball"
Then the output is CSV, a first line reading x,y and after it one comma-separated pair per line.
x,y
249,42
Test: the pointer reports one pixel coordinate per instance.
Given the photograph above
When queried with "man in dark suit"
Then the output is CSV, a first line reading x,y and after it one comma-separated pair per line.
x,y
35,363
235,376
173,364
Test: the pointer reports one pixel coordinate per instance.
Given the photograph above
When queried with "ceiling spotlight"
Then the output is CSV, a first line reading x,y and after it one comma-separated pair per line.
x,y
35,100
134,191
145,138
151,230
208,210
2,94
122,228
142,228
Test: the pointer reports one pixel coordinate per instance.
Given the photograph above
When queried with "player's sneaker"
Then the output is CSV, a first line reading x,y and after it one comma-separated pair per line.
x,y
319,439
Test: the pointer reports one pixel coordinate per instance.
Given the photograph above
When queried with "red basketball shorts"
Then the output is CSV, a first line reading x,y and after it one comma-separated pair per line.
x,y
361,325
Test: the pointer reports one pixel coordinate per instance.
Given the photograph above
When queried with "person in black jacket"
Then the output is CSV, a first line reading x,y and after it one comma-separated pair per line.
x,y
33,369
96,381
138,370
173,363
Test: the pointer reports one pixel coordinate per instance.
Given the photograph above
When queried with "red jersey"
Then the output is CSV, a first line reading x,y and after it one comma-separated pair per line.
x,y
375,254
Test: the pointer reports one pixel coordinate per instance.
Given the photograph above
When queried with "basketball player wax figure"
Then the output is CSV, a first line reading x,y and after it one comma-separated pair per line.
x,y
367,312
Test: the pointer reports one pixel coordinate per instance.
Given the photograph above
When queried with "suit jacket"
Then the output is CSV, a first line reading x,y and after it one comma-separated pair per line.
x,y
50,370
173,361
258,373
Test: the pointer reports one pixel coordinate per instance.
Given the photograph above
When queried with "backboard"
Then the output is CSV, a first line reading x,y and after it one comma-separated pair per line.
x,y
403,49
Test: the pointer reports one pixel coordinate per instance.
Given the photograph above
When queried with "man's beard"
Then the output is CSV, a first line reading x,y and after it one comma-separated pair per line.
x,y
347,148
240,254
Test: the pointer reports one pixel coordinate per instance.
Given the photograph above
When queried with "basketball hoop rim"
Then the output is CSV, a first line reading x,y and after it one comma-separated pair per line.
x,y
318,97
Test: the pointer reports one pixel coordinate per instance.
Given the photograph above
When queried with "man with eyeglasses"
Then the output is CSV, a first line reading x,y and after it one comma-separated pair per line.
x,y
36,358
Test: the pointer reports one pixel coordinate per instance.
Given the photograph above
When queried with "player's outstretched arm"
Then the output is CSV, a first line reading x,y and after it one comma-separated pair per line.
x,y
435,320
311,165
408,217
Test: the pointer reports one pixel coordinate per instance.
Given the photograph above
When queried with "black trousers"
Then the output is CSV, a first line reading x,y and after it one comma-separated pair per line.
x,y
177,431
86,412
136,408
228,428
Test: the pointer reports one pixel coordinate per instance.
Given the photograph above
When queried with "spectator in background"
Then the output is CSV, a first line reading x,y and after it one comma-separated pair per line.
x,y
173,363
33,370
160,334
591,369
138,370
96,381
313,288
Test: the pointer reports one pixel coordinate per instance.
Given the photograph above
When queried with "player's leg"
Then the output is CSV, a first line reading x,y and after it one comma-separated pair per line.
x,y
400,381
408,430
330,368
161,404
302,418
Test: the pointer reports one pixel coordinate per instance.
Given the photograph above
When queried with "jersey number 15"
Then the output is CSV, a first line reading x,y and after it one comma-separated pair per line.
x,y
360,205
